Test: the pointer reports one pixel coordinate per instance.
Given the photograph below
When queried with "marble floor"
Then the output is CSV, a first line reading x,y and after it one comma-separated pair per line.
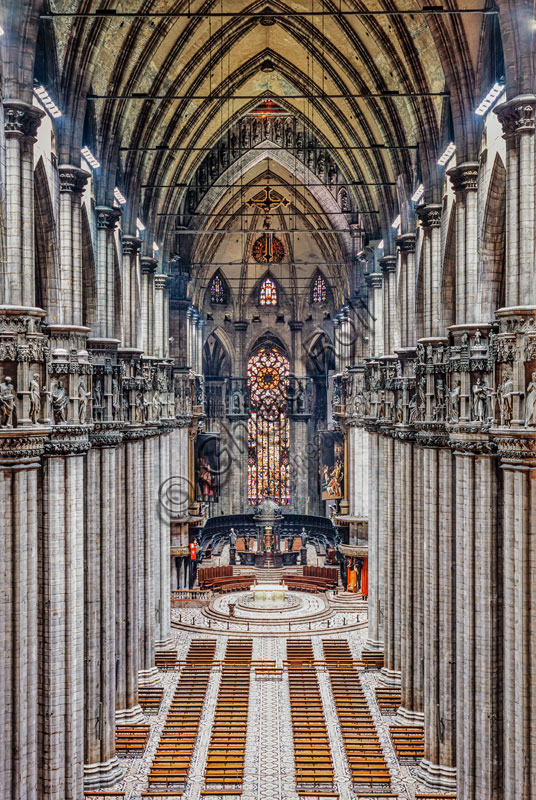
x,y
269,757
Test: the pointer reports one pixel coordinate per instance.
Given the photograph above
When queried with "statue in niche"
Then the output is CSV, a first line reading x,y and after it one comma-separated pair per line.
x,y
234,145
412,409
82,400
278,131
422,395
399,411
311,159
232,537
465,340
202,177
138,410
7,402
157,405
299,144
191,201
116,399
477,339
300,398
97,399
530,402
35,398
236,404
124,405
343,200
367,403
224,156
454,402
59,402
505,390
256,131
213,166
289,135
480,400
244,135
381,404
321,165
358,403
332,173
439,408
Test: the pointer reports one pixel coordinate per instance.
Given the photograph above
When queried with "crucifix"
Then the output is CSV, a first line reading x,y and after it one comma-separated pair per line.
x,y
268,247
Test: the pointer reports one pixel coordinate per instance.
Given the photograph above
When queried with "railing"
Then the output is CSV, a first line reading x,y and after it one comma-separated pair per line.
x,y
178,595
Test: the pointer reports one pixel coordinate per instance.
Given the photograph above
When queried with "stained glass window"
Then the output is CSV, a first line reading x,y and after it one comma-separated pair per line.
x,y
268,428
319,290
217,290
268,293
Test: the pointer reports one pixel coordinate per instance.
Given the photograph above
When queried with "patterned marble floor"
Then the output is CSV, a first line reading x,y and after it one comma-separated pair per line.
x,y
269,756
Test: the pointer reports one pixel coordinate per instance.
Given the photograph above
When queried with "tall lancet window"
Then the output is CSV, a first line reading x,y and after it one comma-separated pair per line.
x,y
268,427
217,291
319,290
268,293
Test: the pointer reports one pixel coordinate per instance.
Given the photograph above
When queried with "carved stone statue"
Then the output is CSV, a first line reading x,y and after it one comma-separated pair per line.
x,y
300,398
505,391
236,405
35,398
138,410
82,400
116,399
59,402
454,402
480,400
97,399
157,405
232,538
7,403
530,402
439,408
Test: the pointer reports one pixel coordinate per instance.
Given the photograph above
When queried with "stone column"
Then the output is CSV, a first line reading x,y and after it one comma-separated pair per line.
x,y
148,269
437,770
72,184
390,673
106,273
161,323
199,340
163,586
358,440
519,554
390,323
61,628
132,309
148,674
102,766
21,121
429,279
411,598
517,119
406,294
375,543
478,689
129,569
464,179
19,659
375,292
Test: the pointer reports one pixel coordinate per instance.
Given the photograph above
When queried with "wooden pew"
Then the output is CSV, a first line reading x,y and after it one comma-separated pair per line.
x,y
312,753
131,740
150,698
364,754
408,743
225,760
171,762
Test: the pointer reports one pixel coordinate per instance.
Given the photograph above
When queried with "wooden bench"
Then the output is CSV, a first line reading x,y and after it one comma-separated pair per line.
x,y
388,698
131,740
150,698
372,659
408,743
171,763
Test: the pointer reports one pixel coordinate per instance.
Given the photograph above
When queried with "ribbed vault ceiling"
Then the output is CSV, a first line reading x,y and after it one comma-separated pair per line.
x,y
207,71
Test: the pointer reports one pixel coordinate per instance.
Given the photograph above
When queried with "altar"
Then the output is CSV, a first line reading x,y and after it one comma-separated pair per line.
x,y
269,593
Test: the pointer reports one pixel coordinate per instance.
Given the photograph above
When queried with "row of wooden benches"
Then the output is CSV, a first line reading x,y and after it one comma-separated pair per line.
x,y
225,760
366,760
171,762
156,795
408,743
312,755
388,698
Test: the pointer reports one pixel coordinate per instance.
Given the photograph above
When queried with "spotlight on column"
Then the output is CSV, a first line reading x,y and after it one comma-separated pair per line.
x,y
47,101
139,225
396,222
381,245
120,197
451,149
418,193
90,158
496,90
155,247
1,31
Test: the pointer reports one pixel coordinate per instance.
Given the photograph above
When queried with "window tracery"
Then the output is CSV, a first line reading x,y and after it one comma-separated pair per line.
x,y
268,293
268,427
319,290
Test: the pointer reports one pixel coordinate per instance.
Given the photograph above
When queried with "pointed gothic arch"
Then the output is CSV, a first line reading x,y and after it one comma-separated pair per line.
x,y
493,243
218,292
47,273
216,357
